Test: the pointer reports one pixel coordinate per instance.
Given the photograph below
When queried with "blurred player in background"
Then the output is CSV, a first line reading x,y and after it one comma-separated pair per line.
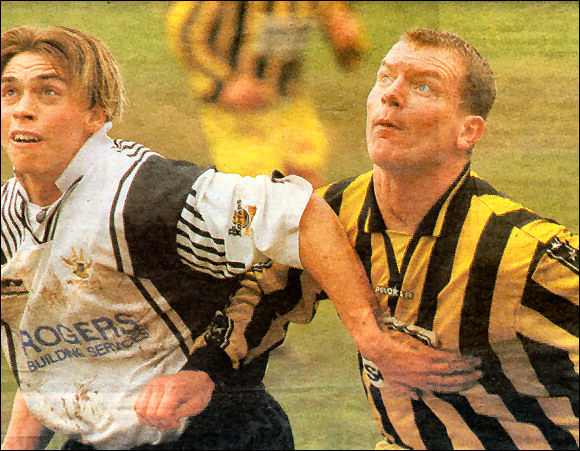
x,y
455,265
244,62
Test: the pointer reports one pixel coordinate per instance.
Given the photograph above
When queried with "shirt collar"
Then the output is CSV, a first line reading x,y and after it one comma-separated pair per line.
x,y
85,158
431,223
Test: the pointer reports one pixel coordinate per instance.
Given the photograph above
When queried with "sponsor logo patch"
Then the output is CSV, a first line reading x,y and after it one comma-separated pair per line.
x,y
242,219
394,291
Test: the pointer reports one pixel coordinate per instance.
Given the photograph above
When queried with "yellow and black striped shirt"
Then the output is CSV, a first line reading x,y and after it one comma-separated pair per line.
x,y
481,275
220,41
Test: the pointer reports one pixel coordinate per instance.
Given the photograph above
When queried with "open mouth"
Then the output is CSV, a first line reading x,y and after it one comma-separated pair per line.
x,y
26,138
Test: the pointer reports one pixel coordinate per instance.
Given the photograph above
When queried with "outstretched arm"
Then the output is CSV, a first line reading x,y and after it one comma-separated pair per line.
x,y
24,430
327,254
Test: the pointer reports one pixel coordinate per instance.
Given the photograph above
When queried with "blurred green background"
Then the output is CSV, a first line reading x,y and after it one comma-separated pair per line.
x,y
530,149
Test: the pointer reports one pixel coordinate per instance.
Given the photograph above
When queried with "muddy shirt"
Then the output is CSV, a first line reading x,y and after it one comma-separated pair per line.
x,y
109,286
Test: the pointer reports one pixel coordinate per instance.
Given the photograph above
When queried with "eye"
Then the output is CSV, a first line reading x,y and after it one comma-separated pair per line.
x,y
49,92
385,79
8,92
423,88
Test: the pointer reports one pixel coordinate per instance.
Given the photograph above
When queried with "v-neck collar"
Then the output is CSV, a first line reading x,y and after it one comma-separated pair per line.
x,y
431,223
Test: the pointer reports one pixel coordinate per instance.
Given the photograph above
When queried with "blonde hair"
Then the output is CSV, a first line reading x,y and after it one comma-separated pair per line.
x,y
478,91
87,60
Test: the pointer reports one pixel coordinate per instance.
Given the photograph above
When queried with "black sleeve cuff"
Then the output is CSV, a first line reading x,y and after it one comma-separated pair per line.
x,y
214,361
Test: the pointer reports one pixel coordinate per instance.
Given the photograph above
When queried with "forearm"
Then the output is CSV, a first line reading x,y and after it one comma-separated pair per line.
x,y
327,254
25,431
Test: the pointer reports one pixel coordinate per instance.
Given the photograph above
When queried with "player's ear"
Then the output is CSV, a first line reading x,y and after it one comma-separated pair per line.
x,y
471,130
95,120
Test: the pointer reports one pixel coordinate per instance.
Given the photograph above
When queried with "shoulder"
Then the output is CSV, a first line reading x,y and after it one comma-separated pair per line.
x,y
513,214
154,169
352,189
132,150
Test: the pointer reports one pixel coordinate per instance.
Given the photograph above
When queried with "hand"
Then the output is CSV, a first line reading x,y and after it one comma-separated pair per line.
x,y
246,94
166,399
410,366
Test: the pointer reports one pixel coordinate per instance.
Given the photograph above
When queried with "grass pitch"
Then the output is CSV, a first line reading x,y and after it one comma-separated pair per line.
x,y
530,149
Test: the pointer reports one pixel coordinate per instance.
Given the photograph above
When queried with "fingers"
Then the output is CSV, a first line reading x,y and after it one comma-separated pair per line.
x,y
193,406
141,404
451,367
156,406
456,383
424,368
439,378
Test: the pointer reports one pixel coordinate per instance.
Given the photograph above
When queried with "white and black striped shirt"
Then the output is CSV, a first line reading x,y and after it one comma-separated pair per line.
x,y
109,286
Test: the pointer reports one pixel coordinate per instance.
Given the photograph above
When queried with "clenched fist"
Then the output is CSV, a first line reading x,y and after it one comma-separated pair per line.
x,y
166,399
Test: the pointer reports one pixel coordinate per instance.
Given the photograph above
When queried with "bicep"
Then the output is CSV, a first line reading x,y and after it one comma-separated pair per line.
x,y
231,222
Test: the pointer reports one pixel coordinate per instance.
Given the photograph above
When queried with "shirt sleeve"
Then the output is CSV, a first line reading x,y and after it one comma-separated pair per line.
x,y
189,28
270,297
230,222
547,320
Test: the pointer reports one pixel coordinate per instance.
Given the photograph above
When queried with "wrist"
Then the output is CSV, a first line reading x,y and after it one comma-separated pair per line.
x,y
369,338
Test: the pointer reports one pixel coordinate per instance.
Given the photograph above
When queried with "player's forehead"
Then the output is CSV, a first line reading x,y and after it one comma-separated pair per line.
x,y
33,66
438,62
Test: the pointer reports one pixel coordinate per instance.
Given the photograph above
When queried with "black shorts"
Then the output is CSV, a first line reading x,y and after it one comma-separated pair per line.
x,y
234,420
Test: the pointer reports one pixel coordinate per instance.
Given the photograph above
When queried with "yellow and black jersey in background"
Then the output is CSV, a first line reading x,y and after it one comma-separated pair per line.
x,y
220,41
481,275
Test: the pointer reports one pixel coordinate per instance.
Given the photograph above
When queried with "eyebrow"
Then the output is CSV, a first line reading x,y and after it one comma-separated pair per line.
x,y
49,76
419,72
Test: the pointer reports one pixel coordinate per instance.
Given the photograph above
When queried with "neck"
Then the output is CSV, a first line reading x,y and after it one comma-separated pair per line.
x,y
404,199
41,191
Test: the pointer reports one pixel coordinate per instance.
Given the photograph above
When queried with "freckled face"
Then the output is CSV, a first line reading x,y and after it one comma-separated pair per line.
x,y
45,119
414,113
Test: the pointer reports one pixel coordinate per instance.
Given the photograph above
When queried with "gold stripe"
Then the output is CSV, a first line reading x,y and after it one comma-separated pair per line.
x,y
402,418
379,268
414,281
557,278
535,326
200,52
352,201
509,286
460,434
450,303
499,205
543,230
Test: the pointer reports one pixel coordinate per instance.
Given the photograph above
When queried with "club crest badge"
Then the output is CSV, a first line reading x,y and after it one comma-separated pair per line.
x,y
220,330
79,264
563,252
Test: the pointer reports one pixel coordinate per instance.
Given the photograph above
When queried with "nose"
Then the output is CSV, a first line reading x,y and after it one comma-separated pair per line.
x,y
25,107
394,94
